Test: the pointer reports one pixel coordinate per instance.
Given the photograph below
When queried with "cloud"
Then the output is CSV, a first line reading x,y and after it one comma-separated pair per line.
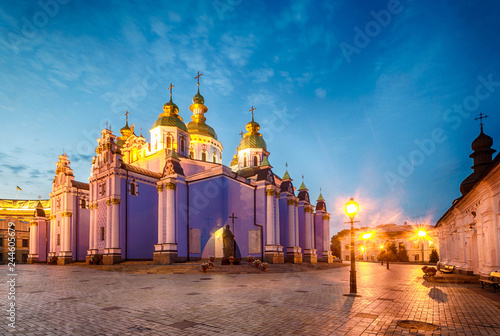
x,y
159,28
35,173
262,75
320,93
238,49
174,17
15,169
294,14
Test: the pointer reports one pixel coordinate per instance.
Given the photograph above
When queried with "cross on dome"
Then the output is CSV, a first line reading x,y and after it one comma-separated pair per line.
x,y
198,77
480,118
170,88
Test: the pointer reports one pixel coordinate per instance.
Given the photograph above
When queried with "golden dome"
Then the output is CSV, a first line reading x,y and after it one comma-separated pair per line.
x,y
170,108
126,131
170,121
201,128
234,161
198,98
252,141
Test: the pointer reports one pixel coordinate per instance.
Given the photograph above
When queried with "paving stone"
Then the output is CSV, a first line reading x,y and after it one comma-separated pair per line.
x,y
312,303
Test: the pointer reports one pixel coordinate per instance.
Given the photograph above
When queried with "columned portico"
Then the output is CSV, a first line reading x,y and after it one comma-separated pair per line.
x,y
309,250
33,244
66,255
293,251
112,253
166,251
273,249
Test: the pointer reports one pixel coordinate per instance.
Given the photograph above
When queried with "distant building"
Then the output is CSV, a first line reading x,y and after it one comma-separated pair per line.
x,y
368,241
469,232
21,214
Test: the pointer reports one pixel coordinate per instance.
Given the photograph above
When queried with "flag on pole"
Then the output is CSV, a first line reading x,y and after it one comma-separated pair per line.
x,y
19,188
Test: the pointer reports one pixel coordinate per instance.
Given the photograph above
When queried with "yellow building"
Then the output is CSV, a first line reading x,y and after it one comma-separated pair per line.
x,y
369,241
20,213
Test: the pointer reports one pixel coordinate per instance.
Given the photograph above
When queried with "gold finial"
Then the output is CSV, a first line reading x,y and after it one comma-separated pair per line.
x,y
170,88
126,117
251,110
141,131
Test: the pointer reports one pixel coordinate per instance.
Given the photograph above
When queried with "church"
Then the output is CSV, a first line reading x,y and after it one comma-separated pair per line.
x,y
169,199
469,232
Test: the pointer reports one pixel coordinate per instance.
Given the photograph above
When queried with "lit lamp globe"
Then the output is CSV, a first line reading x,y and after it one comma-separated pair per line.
x,y
422,233
351,208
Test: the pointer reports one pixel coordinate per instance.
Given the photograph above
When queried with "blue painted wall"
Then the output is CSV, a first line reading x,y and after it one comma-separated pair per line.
x,y
142,226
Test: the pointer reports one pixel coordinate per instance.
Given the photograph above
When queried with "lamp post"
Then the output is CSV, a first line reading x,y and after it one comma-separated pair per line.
x,y
351,209
381,258
422,234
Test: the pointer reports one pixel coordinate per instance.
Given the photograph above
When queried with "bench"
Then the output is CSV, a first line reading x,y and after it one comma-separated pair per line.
x,y
492,280
447,269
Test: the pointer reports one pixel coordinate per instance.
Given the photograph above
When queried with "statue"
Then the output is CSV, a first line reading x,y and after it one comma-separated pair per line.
x,y
228,242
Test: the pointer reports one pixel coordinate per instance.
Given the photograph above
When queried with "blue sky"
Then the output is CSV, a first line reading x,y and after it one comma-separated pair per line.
x,y
344,111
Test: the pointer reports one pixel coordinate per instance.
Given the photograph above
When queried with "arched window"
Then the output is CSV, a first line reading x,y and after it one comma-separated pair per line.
x,y
204,156
182,145
58,239
169,142
255,160
191,154
245,161
214,158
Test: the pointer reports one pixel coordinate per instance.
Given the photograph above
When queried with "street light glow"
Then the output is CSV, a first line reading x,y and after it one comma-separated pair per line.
x,y
351,208
422,233
367,235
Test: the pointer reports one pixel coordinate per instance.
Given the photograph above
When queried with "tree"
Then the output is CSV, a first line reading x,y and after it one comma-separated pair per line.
x,y
392,252
381,255
335,246
403,254
434,257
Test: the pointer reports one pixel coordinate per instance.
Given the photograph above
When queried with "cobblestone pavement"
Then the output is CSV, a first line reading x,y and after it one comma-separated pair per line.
x,y
70,300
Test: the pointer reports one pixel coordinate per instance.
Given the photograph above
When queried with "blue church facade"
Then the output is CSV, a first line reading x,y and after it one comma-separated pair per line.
x,y
170,198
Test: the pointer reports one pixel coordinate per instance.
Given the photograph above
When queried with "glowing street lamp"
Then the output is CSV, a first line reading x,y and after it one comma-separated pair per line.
x,y
367,235
422,234
351,209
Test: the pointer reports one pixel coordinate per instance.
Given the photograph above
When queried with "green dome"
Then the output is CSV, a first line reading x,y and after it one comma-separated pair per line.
x,y
201,128
198,98
252,141
170,121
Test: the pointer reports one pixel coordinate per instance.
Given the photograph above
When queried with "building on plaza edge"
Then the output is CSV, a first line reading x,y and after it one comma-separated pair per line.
x,y
23,217
370,240
170,198
469,232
